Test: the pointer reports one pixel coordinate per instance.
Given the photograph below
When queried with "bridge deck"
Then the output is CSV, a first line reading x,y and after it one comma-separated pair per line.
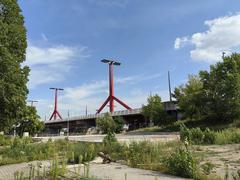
x,y
94,116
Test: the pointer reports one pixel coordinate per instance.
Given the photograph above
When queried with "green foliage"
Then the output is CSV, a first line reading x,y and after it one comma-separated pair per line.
x,y
24,150
13,75
30,123
106,124
5,141
198,136
119,122
181,162
209,136
213,95
222,89
154,111
207,168
228,136
190,97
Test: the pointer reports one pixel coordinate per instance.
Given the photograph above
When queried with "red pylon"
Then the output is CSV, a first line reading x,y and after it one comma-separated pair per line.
x,y
111,96
55,111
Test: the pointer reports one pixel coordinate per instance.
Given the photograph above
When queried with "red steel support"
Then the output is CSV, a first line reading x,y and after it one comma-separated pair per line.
x,y
111,96
111,88
55,111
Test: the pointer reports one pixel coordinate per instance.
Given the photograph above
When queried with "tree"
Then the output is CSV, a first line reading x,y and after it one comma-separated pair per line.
x,y
221,87
106,124
213,95
154,110
13,75
119,122
190,98
30,122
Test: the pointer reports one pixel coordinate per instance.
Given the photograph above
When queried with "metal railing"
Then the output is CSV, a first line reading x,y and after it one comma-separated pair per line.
x,y
94,116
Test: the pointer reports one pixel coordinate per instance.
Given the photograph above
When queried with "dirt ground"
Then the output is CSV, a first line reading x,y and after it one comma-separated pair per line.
x,y
225,158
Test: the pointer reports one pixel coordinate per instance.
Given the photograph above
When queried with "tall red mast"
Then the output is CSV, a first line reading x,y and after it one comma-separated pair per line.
x,y
55,111
111,96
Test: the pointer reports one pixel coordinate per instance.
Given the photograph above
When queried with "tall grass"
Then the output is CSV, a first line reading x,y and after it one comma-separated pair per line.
x,y
207,136
23,150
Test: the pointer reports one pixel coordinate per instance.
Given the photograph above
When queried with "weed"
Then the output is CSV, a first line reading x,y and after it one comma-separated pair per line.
x,y
181,162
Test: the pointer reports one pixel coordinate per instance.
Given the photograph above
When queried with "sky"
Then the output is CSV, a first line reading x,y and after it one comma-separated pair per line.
x,y
68,39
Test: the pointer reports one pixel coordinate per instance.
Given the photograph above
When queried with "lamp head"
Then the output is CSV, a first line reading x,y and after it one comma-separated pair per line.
x,y
111,62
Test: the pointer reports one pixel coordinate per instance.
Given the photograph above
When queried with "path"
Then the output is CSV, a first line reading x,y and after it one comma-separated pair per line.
x,y
120,137
113,171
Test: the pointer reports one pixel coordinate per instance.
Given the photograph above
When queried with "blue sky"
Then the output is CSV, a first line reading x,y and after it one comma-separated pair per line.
x,y
67,40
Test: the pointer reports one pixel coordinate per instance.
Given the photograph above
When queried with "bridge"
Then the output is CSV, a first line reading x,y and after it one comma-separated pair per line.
x,y
132,117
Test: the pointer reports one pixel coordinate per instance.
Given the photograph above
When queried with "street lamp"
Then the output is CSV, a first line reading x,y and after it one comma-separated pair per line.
x,y
55,111
32,102
111,96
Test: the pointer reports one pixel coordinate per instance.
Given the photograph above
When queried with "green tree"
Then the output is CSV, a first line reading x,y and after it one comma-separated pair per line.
x,y
190,98
119,122
154,110
221,87
13,75
106,124
30,122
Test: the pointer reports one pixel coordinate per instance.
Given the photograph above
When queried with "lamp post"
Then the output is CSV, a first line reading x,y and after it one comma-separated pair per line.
x,y
55,111
32,102
68,124
111,96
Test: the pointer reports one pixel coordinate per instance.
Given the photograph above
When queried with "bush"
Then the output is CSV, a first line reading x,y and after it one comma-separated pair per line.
x,y
106,124
112,146
185,133
209,137
5,141
181,163
228,136
119,122
197,136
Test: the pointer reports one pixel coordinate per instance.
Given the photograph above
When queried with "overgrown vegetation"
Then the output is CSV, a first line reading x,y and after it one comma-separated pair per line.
x,y
108,124
25,150
215,95
207,136
154,111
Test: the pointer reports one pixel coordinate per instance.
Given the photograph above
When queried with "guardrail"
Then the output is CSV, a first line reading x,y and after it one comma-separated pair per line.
x,y
94,116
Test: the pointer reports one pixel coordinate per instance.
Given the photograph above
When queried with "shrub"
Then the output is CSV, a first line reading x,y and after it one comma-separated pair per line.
x,y
209,137
106,124
197,136
112,146
119,122
185,133
181,163
228,136
5,141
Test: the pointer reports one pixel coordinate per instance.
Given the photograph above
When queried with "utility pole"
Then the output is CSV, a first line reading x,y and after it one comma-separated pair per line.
x,y
86,111
111,96
68,124
32,102
169,87
55,111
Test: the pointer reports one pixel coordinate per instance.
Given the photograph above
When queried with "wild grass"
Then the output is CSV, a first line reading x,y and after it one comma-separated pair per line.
x,y
23,150
207,136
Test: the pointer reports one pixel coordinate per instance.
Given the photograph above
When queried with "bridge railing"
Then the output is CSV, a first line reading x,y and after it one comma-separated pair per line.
x,y
94,116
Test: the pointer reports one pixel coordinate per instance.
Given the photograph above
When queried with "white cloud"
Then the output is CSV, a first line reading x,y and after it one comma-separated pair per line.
x,y
93,94
49,64
179,42
222,35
